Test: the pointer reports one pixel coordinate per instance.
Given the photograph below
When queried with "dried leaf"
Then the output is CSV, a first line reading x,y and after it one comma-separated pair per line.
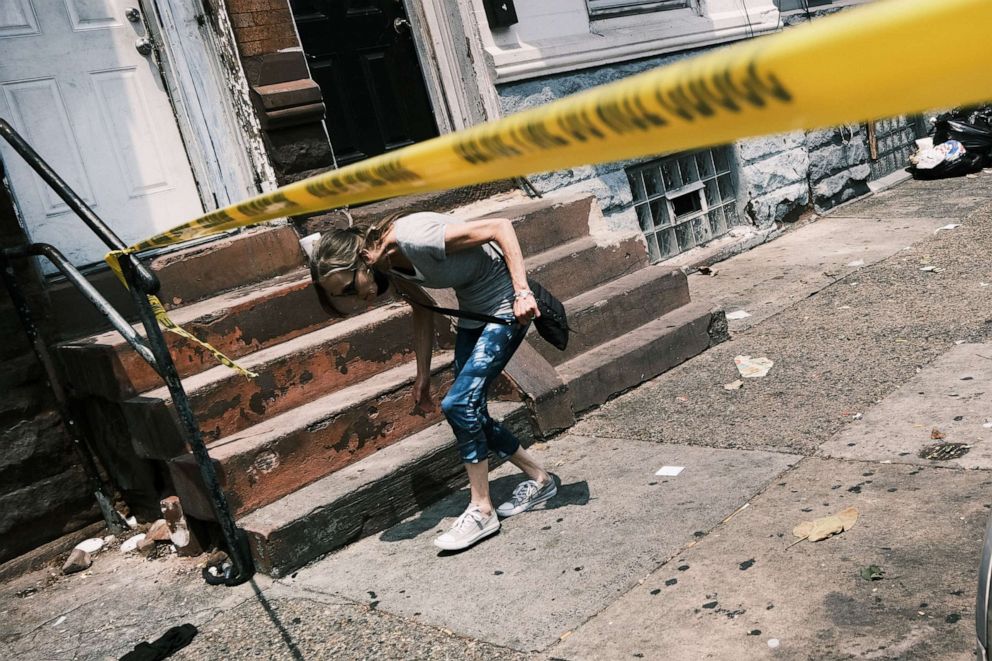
x,y
936,434
826,526
848,516
803,529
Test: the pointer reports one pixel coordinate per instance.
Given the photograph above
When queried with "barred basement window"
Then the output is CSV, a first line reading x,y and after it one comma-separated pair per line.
x,y
604,8
684,200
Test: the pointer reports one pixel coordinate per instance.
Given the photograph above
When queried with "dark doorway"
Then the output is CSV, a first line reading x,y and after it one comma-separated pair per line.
x,y
361,53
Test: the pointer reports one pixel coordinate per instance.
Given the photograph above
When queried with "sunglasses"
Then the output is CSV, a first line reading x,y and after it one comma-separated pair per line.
x,y
350,289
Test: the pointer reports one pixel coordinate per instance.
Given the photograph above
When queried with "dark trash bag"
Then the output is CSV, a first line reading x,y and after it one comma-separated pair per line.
x,y
968,163
972,127
975,137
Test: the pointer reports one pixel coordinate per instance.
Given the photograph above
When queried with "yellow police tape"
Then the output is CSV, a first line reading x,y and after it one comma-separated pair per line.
x,y
888,58
113,259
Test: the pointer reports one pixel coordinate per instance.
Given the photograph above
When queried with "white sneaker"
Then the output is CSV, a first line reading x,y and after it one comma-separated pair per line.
x,y
527,495
469,528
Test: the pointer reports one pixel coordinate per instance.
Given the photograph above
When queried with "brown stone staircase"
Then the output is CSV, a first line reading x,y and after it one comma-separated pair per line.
x,y
324,447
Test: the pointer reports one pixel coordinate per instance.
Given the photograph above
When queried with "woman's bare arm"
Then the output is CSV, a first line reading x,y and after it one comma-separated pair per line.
x,y
423,342
462,236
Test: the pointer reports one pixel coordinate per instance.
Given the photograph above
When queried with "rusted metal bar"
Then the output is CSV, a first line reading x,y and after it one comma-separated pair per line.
x,y
141,283
242,567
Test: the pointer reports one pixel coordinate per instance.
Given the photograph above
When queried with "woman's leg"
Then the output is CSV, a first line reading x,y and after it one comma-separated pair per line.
x,y
461,406
526,462
502,440
465,404
478,485
478,471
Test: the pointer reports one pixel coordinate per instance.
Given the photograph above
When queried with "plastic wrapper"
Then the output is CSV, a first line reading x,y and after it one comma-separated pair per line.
x,y
967,163
971,127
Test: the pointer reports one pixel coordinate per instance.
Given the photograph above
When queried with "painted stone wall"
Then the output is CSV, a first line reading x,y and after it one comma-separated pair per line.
x,y
839,169
43,492
778,176
608,182
772,177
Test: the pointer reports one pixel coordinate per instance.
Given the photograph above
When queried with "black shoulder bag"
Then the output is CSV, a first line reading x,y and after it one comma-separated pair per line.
x,y
552,325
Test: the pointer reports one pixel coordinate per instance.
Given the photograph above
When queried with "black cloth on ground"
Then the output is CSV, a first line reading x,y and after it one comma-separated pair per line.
x,y
172,640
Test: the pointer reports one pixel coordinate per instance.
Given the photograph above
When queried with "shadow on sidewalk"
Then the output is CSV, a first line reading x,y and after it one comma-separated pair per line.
x,y
276,622
576,493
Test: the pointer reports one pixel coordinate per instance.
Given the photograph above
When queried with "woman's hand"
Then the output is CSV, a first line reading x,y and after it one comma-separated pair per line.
x,y
525,308
422,398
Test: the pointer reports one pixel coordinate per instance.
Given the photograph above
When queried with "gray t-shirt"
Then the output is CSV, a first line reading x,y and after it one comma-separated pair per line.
x,y
478,275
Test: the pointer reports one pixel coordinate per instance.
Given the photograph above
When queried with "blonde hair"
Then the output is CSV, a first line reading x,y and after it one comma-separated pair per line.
x,y
338,250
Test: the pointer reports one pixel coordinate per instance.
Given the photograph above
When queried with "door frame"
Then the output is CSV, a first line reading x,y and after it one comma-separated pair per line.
x,y
459,80
200,71
206,86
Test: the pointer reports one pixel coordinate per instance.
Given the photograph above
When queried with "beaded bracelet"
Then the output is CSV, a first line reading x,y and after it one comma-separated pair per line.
x,y
523,293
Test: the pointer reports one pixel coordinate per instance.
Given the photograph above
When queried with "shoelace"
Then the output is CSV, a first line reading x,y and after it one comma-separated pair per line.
x,y
473,515
524,491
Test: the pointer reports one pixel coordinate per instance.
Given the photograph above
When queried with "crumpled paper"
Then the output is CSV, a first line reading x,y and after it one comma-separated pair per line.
x,y
752,368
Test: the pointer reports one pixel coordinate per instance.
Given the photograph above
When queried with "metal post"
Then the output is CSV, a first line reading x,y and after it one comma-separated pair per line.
x,y
141,283
237,542
104,496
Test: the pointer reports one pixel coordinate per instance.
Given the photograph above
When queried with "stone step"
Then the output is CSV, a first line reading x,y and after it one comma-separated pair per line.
x,y
187,275
549,222
367,497
290,373
236,323
264,463
332,357
262,314
612,309
582,264
642,354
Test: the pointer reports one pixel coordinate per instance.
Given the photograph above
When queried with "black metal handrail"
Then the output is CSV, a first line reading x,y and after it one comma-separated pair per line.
x,y
101,491
149,281
89,292
141,283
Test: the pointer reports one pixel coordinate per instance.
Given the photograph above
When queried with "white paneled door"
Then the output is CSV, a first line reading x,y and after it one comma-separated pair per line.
x,y
76,82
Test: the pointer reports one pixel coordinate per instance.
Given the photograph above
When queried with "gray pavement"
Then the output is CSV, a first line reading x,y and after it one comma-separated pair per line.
x,y
612,523
949,399
868,349
742,586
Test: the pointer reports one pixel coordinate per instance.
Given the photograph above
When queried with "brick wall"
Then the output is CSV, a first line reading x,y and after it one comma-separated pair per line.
x,y
43,492
270,53
262,26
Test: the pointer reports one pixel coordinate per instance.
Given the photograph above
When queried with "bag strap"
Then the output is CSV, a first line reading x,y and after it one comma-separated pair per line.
x,y
465,314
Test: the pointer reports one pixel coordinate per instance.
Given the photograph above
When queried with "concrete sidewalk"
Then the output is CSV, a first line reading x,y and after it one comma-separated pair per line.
x,y
626,564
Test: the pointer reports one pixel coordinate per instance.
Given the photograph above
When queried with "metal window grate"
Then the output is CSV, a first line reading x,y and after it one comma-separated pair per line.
x,y
684,200
891,141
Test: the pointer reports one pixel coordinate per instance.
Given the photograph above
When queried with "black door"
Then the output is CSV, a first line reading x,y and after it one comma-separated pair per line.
x,y
362,55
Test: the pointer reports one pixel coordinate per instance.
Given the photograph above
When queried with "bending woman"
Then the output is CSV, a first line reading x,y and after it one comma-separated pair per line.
x,y
437,252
